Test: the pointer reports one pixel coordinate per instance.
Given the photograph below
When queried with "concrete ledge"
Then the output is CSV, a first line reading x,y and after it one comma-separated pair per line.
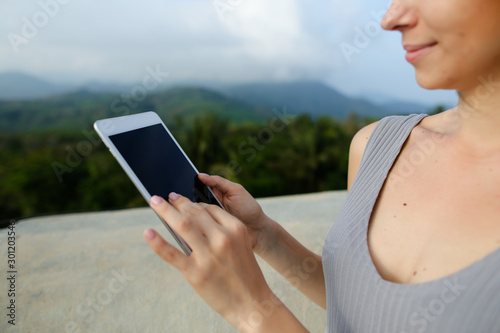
x,y
94,273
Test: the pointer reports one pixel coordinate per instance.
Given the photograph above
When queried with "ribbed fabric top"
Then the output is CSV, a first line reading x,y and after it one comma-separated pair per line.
x,y
359,300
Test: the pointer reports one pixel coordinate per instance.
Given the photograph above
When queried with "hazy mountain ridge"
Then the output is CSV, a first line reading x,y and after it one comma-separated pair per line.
x,y
31,103
81,108
311,97
19,86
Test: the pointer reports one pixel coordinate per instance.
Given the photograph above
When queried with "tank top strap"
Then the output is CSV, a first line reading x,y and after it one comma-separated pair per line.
x,y
382,149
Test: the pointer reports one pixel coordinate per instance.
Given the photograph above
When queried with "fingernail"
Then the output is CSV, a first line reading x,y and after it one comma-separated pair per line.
x,y
204,175
149,233
156,200
173,196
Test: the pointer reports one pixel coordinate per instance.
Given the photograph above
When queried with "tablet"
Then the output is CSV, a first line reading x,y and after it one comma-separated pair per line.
x,y
153,160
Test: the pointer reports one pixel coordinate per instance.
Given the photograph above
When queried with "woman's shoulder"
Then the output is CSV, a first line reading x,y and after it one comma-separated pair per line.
x,y
356,150
426,126
437,124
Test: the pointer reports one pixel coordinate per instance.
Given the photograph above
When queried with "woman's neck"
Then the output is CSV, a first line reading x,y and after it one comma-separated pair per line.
x,y
476,119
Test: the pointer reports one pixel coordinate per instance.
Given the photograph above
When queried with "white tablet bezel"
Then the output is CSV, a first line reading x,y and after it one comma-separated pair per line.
x,y
112,126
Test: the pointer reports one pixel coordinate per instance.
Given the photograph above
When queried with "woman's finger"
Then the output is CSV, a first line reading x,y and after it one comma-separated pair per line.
x,y
179,222
164,250
216,182
221,216
196,214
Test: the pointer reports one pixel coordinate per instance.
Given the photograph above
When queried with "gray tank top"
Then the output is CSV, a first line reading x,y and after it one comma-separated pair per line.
x,y
359,300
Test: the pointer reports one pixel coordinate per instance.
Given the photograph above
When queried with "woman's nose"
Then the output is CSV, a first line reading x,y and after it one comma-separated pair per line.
x,y
399,15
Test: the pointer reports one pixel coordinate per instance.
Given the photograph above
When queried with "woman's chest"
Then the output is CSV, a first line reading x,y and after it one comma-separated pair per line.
x,y
432,220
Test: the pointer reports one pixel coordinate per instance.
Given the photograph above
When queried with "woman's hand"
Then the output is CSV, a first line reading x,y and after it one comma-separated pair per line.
x,y
239,203
268,239
222,267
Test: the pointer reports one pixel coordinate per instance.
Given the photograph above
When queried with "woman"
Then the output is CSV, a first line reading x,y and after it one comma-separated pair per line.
x,y
417,242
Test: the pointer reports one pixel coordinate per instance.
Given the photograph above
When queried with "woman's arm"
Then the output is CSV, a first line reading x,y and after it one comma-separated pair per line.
x,y
222,267
300,266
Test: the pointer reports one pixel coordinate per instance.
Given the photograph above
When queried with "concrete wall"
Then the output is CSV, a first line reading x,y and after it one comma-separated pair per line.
x,y
94,272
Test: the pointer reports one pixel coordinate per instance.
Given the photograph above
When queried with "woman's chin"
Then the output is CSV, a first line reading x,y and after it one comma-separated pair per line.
x,y
434,82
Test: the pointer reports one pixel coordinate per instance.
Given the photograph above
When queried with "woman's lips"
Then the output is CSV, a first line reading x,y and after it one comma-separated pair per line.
x,y
414,52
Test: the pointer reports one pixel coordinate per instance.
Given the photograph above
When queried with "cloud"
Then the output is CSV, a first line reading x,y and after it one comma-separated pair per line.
x,y
252,40
257,39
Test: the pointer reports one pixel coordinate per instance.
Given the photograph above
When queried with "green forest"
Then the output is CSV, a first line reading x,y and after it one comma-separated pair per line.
x,y
57,171
53,162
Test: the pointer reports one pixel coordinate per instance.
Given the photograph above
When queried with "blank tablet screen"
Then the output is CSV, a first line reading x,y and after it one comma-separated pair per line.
x,y
159,164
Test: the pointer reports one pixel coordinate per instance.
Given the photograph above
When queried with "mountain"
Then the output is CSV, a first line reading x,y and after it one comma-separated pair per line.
x,y
402,107
19,86
99,87
237,102
312,97
397,106
191,101
79,109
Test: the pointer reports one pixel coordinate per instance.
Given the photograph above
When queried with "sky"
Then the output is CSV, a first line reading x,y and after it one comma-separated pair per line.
x,y
115,41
